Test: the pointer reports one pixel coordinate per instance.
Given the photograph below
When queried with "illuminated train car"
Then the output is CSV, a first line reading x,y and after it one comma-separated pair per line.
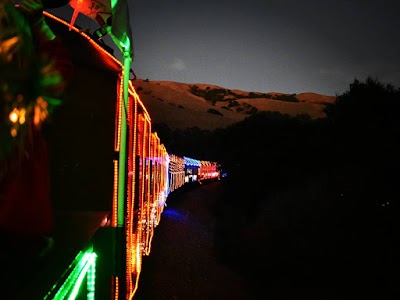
x,y
101,239
208,170
147,190
200,170
176,172
192,167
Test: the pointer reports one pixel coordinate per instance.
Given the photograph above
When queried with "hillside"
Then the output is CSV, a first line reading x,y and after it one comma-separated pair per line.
x,y
207,106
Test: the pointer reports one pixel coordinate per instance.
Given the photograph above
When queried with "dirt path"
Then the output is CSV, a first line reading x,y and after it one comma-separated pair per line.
x,y
182,263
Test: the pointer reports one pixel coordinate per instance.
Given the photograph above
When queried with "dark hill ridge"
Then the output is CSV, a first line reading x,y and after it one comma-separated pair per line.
x,y
207,106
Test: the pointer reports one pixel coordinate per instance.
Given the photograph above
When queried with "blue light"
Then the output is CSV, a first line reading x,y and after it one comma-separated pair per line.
x,y
192,162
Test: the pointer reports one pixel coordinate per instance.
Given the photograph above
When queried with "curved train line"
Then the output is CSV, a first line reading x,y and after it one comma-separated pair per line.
x,y
85,140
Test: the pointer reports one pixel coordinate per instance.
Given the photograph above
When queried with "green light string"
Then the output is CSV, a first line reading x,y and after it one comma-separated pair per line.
x,y
90,258
84,263
91,280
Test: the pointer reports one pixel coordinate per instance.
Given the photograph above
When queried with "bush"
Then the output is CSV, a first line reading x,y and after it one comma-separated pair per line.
x,y
253,110
214,111
233,103
288,98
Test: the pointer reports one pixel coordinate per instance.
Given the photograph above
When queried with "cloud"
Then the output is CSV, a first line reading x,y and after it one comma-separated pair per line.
x,y
178,65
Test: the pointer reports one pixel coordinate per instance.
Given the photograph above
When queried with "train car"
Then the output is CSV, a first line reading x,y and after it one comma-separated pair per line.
x,y
176,172
106,208
200,170
208,170
192,167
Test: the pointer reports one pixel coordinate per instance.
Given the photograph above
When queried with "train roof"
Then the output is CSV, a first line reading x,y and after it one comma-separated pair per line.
x,y
84,48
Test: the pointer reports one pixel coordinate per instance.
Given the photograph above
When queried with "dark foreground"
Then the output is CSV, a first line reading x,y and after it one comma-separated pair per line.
x,y
183,262
26,276
219,241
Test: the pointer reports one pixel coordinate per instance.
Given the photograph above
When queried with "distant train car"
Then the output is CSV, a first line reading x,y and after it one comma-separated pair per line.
x,y
176,172
209,170
200,170
192,167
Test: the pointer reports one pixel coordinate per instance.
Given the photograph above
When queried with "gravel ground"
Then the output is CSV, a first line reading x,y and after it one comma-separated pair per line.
x,y
183,262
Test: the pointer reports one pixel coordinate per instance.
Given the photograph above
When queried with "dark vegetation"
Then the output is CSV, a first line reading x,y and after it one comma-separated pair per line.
x,y
212,95
214,111
310,206
221,94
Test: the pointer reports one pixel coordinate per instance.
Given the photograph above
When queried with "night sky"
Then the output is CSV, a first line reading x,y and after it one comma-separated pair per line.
x,y
287,46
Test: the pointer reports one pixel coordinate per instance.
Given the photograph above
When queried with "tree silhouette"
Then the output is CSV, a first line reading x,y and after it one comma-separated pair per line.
x,y
367,126
366,118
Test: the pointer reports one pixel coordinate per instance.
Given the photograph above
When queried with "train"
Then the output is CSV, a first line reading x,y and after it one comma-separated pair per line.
x,y
106,210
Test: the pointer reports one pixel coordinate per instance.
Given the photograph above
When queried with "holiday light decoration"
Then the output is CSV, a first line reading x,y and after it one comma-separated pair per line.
x,y
176,172
208,170
151,174
83,266
146,188
191,169
191,162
